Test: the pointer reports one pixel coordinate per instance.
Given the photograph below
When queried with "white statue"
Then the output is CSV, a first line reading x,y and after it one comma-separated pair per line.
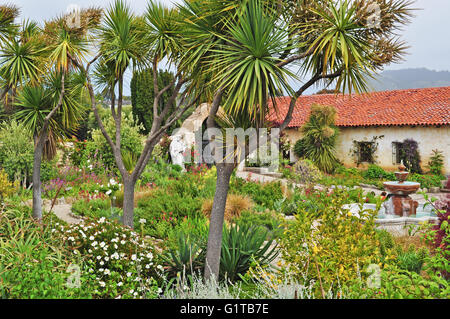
x,y
177,149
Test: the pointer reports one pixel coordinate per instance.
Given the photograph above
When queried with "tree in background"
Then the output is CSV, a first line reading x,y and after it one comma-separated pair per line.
x,y
35,67
125,41
319,138
142,96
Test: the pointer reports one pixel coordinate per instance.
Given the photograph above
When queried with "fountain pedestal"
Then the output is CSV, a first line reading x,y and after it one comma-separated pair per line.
x,y
399,202
404,205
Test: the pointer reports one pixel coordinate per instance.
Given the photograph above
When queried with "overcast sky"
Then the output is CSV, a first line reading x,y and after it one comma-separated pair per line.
x,y
427,35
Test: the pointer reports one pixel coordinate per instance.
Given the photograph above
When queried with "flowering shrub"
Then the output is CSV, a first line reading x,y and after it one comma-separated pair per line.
x,y
306,172
332,250
119,262
53,187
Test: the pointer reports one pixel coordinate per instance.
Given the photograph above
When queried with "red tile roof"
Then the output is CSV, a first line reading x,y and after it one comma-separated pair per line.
x,y
429,106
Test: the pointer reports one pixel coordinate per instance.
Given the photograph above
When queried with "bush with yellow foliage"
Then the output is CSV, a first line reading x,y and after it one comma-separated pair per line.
x,y
7,188
332,249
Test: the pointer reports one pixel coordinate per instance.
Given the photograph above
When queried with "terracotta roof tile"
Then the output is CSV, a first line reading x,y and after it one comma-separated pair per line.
x,y
429,106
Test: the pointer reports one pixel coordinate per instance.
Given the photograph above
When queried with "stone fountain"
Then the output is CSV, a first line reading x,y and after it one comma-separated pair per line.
x,y
398,201
399,210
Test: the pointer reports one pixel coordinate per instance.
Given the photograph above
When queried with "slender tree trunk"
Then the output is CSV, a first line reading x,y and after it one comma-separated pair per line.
x,y
128,202
37,189
224,171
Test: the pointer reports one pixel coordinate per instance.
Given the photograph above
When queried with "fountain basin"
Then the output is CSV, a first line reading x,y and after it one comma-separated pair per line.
x,y
396,225
404,188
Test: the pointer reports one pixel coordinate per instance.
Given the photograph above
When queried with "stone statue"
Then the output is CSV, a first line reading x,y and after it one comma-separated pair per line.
x,y
177,149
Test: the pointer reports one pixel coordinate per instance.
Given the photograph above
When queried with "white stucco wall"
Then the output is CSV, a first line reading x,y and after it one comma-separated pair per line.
x,y
428,138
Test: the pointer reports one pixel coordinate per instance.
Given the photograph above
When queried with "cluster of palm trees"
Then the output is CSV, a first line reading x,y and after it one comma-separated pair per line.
x,y
234,54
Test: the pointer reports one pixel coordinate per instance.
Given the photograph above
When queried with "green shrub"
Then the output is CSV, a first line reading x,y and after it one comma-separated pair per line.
x,y
178,206
330,252
16,152
411,260
49,170
306,172
436,163
396,283
262,194
92,208
131,142
426,181
376,172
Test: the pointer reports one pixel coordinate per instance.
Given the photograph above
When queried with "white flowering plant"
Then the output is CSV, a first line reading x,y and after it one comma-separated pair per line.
x,y
111,188
118,262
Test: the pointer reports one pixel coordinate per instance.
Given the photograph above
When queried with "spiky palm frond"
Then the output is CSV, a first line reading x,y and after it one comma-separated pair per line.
x,y
34,104
21,62
8,13
164,29
64,44
247,63
29,31
122,38
72,109
105,77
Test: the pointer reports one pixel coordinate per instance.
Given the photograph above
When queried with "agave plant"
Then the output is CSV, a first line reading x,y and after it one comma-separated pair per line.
x,y
241,246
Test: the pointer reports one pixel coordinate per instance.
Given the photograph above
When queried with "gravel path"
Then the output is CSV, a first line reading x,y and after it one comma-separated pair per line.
x,y
63,212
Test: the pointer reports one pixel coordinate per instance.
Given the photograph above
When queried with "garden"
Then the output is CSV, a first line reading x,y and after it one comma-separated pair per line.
x,y
272,246
92,207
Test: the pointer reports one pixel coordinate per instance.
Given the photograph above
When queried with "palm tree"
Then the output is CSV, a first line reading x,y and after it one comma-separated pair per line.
x,y
243,49
127,41
37,65
50,111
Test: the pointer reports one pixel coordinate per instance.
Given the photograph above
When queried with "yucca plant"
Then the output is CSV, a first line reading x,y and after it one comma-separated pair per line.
x,y
187,257
241,246
320,134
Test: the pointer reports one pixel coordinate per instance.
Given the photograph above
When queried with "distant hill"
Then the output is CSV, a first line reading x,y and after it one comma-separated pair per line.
x,y
410,79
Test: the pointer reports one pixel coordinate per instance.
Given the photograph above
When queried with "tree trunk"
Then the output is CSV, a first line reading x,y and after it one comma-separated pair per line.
x,y
128,202
224,171
37,189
